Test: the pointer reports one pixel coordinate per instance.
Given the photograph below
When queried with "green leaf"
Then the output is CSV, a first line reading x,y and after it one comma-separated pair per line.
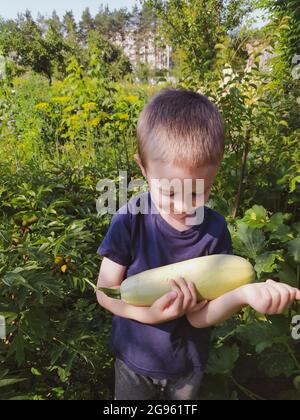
x,y
284,123
282,234
35,372
220,47
296,226
247,241
36,323
15,279
7,382
296,382
17,348
287,274
222,360
3,373
293,183
256,217
275,364
19,398
276,220
294,249
265,263
263,335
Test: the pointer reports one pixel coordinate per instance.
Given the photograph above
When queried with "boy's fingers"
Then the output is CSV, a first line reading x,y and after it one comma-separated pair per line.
x,y
276,297
287,298
193,291
177,289
178,302
187,297
268,299
166,300
287,294
174,286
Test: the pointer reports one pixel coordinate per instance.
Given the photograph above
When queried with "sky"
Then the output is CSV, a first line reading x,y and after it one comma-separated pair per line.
x,y
10,8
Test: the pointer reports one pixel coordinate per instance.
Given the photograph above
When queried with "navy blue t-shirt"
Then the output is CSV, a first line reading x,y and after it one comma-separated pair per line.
x,y
144,241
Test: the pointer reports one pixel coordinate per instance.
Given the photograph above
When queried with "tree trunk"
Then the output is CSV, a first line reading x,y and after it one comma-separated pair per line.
x,y
242,174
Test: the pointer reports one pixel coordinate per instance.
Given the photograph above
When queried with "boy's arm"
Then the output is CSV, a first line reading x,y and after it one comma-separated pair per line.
x,y
111,275
170,306
267,298
216,311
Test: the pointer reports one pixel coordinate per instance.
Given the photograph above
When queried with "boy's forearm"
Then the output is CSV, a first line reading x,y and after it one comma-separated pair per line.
x,y
218,310
117,307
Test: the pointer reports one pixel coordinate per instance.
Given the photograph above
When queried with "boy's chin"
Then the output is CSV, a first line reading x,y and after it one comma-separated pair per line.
x,y
182,217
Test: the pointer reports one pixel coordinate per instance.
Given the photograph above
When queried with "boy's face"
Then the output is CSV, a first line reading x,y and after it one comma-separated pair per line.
x,y
178,192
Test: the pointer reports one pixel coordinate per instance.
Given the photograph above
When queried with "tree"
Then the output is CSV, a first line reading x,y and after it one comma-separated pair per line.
x,y
119,21
86,25
57,48
70,28
196,27
284,34
42,23
109,57
286,15
25,42
144,23
56,23
103,21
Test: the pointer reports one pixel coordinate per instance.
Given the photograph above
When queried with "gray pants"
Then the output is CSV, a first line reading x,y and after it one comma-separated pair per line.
x,y
132,386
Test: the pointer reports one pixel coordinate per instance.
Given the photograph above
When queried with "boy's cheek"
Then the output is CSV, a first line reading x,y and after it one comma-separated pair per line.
x,y
161,201
169,205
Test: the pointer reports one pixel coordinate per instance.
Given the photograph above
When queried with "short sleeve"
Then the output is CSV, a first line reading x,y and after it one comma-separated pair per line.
x,y
223,243
116,244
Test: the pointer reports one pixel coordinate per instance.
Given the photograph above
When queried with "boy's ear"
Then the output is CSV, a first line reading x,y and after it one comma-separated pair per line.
x,y
139,162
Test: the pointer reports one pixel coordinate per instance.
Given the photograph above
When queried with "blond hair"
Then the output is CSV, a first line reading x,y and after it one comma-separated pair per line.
x,y
180,127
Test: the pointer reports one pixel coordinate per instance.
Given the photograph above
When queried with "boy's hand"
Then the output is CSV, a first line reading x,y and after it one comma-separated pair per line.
x,y
181,300
269,298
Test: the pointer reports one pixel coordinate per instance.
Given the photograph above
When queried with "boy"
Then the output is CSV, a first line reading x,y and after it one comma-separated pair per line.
x,y
165,347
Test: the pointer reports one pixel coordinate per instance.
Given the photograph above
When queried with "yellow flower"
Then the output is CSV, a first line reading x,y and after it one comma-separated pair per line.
x,y
89,106
74,118
95,122
104,115
122,116
74,121
61,99
42,105
58,260
69,108
131,98
64,268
